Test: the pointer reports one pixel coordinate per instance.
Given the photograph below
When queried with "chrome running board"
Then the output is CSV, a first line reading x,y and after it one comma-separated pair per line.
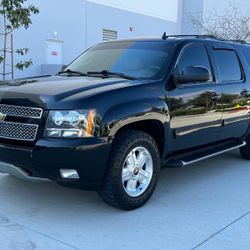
x,y
19,173
201,157
186,163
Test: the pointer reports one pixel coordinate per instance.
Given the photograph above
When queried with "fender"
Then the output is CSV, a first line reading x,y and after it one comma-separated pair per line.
x,y
141,110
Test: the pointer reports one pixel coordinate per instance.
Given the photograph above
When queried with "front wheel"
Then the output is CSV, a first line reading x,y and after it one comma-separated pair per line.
x,y
132,172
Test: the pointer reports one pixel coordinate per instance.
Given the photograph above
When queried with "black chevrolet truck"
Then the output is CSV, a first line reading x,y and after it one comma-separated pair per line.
x,y
123,110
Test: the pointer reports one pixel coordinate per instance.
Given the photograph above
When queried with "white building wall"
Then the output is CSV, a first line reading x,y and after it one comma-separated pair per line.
x,y
101,16
58,20
163,9
191,9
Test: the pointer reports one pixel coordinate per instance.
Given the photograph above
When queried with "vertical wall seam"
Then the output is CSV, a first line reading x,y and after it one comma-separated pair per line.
x,y
86,24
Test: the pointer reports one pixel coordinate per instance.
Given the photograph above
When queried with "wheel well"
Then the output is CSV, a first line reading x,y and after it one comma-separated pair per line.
x,y
152,127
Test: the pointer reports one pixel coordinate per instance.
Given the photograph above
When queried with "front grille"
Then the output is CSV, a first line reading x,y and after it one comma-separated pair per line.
x,y
19,111
18,131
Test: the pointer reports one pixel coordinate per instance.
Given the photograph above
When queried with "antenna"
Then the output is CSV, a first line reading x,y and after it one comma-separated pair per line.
x,y
164,36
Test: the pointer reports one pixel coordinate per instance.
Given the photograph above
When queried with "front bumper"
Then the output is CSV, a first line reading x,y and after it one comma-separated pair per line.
x,y
44,160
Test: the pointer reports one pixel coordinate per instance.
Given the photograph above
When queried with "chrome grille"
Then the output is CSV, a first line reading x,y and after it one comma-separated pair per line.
x,y
18,131
20,111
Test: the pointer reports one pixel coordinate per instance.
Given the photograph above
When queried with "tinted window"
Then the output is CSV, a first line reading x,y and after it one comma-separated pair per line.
x,y
195,55
144,60
228,63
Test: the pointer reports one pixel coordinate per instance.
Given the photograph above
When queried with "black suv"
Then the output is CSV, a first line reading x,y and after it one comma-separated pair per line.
x,y
123,109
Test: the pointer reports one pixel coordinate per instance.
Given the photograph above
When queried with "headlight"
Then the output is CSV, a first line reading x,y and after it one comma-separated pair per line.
x,y
70,124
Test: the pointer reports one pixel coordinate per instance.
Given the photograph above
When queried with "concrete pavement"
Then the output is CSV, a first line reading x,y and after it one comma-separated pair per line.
x,y
203,206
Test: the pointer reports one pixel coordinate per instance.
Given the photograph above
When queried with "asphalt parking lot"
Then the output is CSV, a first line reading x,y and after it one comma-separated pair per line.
x,y
203,206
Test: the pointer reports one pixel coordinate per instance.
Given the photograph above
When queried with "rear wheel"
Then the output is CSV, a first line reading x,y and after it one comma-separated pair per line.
x,y
132,172
245,151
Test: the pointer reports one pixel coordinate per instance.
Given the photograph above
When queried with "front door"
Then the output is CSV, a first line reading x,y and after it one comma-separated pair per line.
x,y
195,110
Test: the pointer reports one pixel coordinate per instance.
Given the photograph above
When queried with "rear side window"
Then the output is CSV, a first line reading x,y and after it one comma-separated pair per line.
x,y
229,66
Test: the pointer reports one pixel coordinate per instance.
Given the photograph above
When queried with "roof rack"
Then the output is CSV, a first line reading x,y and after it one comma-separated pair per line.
x,y
165,37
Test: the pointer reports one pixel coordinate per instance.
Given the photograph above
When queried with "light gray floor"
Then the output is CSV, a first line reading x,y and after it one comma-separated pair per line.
x,y
204,206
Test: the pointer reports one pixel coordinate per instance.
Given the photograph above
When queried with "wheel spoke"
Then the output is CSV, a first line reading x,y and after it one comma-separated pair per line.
x,y
132,184
126,174
144,175
142,159
134,156
130,160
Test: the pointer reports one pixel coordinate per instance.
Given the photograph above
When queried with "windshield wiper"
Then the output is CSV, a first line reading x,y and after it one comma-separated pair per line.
x,y
106,73
72,72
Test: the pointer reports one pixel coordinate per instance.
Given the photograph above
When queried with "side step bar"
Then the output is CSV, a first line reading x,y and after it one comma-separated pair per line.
x,y
200,157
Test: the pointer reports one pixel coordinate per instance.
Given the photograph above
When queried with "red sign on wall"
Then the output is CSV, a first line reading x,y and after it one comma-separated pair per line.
x,y
54,53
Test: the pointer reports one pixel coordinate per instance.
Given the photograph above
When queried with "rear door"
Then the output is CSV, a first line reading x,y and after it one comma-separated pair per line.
x,y
235,92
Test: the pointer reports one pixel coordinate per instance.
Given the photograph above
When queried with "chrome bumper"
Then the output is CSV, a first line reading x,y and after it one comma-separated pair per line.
x,y
19,173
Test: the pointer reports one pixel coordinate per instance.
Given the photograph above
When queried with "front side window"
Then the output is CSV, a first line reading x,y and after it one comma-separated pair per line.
x,y
194,55
142,60
228,64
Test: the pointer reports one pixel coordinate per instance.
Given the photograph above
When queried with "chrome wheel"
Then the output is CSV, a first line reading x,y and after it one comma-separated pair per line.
x,y
137,171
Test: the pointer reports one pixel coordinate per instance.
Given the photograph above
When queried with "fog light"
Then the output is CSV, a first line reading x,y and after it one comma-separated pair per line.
x,y
69,174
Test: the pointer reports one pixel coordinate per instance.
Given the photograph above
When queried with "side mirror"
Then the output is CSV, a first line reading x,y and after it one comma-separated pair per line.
x,y
192,74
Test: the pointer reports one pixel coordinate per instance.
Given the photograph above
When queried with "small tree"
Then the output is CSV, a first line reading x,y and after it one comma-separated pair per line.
x,y
15,15
232,24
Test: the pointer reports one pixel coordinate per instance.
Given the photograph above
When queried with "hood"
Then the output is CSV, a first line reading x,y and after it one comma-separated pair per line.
x,y
52,92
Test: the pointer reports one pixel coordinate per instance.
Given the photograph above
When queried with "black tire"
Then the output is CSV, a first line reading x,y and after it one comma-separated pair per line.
x,y
245,151
112,191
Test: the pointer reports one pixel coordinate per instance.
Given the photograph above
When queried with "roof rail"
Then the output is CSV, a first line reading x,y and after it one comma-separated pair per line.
x,y
165,37
237,41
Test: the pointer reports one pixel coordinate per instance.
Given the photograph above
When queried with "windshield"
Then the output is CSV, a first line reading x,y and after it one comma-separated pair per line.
x,y
142,60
